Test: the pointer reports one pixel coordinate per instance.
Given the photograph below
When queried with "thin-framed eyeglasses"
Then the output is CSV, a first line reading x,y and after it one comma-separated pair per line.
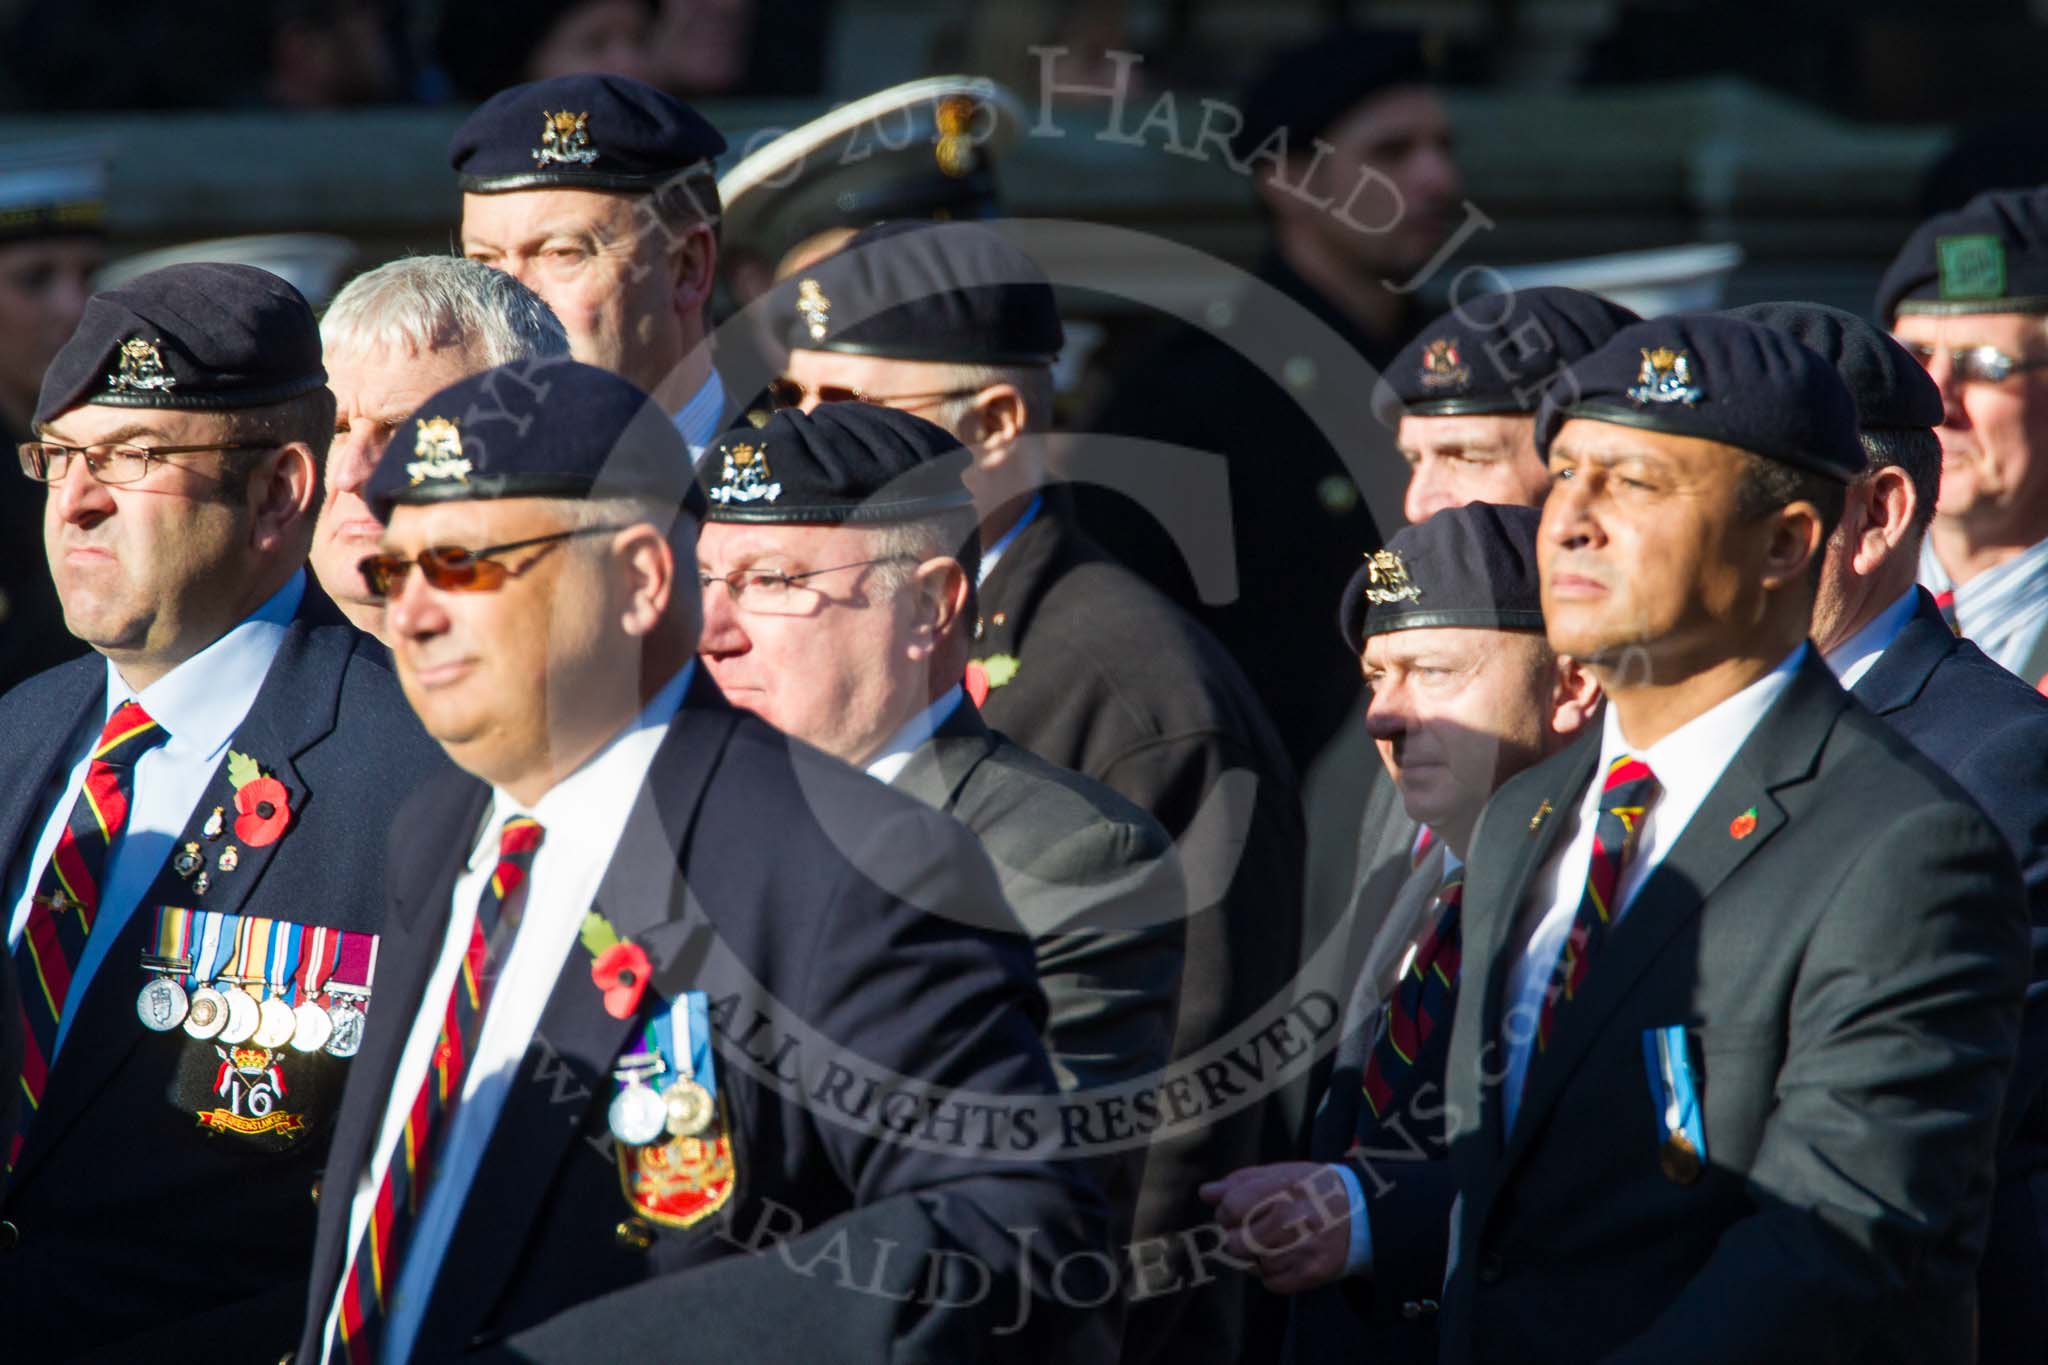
x,y
786,392
1979,364
49,462
453,568
773,590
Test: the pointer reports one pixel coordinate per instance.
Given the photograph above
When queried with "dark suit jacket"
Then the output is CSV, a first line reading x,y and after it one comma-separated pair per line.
x,y
1989,731
138,1226
1115,682
832,923
1849,969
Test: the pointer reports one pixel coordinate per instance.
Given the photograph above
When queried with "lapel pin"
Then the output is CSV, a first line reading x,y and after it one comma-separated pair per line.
x,y
187,861
215,823
1743,825
230,858
1536,820
200,884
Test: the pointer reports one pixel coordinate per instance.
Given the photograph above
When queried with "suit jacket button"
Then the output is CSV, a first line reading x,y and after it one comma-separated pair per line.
x,y
1411,1310
316,1191
634,1234
1490,1268
10,1235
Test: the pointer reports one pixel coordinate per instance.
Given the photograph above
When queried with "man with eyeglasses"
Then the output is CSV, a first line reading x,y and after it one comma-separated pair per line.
x,y
1082,663
672,986
1968,294
205,798
596,193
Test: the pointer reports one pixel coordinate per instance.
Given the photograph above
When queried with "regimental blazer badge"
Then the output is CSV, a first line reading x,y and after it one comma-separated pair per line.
x,y
564,139
1665,377
1387,581
745,476
251,1083
140,369
680,1181
1442,366
438,452
814,307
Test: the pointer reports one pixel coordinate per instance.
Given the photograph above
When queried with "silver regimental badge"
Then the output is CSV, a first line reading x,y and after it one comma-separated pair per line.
x,y
437,453
140,369
564,140
275,1024
745,477
814,307
209,1014
1665,377
162,1006
347,1017
311,1027
244,1016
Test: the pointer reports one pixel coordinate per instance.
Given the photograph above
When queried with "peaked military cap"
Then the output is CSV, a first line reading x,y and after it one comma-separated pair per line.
x,y
580,133
53,190
843,462
1717,378
1497,354
203,336
549,428
1989,256
1891,389
1472,566
957,292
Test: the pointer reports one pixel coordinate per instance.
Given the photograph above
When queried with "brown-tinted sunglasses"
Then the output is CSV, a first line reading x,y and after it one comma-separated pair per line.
x,y
451,568
790,393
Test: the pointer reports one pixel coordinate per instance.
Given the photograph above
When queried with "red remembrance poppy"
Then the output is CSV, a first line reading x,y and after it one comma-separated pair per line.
x,y
976,683
621,972
264,810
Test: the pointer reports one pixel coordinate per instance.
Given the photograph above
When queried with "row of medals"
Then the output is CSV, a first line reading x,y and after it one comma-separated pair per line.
x,y
640,1114
228,1011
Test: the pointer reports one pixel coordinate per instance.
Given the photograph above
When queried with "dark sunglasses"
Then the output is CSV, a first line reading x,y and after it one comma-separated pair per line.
x,y
789,393
451,568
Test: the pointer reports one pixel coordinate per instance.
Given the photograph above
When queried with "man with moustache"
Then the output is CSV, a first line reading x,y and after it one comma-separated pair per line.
x,y
206,797
1465,693
1743,972
391,337
596,193
1885,639
1968,294
552,1158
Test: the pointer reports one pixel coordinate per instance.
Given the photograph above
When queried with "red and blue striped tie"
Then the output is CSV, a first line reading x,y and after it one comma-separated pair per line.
x,y
380,1253
1422,1002
1628,791
67,898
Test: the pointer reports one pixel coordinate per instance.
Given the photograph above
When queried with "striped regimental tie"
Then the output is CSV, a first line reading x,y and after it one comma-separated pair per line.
x,y
1625,795
1422,1002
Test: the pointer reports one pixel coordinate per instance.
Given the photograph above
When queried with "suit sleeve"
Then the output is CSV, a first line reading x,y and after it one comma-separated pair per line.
x,y
1901,1037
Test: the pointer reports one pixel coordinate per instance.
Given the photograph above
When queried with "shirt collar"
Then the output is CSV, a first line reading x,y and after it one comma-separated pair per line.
x,y
202,701
1858,654
995,551
1690,760
895,755
590,799
698,418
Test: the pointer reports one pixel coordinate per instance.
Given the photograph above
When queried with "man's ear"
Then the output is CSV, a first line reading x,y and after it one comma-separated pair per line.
x,y
646,564
941,589
1888,505
994,425
1796,536
284,494
693,270
1574,700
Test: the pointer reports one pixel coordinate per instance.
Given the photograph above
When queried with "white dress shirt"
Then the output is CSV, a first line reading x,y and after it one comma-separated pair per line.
x,y
581,819
200,704
1858,654
1686,763
698,420
893,757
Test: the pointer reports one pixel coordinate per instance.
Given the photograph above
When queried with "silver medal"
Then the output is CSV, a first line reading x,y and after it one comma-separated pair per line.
x,y
348,1029
208,1014
638,1115
275,1024
243,1016
311,1028
162,1006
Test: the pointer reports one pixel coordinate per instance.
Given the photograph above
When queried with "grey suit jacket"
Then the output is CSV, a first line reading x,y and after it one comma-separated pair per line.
x,y
1842,935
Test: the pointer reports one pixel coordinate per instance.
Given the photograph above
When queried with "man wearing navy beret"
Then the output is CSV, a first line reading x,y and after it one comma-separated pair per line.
x,y
205,798
672,985
1742,972
1884,637
1968,294
596,192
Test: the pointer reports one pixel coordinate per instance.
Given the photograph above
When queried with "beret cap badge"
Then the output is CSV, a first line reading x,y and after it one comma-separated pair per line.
x,y
564,139
745,477
1665,377
140,369
1442,366
438,452
814,307
1387,579
1971,266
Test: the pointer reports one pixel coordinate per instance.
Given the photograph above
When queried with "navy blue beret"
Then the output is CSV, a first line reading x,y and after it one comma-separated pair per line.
x,y
581,133
1891,389
549,428
1989,256
1719,379
842,462
910,290
204,336
1307,88
1496,354
1472,566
